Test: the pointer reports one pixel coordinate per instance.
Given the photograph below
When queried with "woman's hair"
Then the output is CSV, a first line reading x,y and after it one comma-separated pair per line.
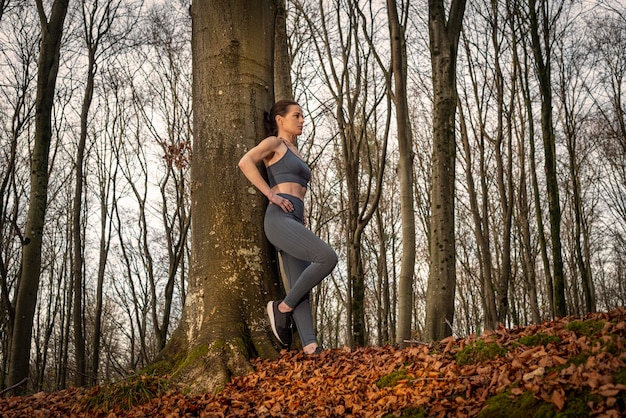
x,y
281,108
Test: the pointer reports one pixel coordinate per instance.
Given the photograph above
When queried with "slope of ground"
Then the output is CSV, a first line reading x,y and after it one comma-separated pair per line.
x,y
573,367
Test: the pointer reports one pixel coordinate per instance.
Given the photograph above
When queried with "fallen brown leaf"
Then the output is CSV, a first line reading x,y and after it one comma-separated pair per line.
x,y
343,382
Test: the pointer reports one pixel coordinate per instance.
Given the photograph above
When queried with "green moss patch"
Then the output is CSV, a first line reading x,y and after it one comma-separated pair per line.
x,y
587,328
408,413
506,405
392,379
539,339
127,394
199,351
478,352
578,359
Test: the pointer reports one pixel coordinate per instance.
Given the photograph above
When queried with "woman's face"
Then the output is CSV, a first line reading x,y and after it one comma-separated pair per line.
x,y
292,122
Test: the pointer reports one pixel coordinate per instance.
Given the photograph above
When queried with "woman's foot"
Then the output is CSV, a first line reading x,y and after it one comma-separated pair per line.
x,y
312,349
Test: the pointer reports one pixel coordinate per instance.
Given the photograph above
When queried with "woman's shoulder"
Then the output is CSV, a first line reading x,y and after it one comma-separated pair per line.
x,y
271,142
272,148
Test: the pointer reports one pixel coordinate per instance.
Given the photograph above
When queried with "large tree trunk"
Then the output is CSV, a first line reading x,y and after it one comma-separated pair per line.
x,y
232,274
405,173
444,40
48,66
282,59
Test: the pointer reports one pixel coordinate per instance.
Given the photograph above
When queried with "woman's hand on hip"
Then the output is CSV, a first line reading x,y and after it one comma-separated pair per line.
x,y
281,202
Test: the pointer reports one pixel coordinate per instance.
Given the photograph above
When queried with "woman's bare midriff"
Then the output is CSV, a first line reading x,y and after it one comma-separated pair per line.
x,y
293,189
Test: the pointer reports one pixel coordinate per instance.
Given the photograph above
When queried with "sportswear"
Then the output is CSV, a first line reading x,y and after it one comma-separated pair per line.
x,y
289,169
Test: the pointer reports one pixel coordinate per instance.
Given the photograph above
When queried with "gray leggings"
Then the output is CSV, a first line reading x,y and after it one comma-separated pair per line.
x,y
306,260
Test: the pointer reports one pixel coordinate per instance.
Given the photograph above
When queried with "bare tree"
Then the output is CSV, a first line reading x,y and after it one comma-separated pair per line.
x,y
405,168
494,95
524,65
97,21
444,39
106,29
349,79
503,147
479,210
541,32
573,74
17,113
607,43
107,171
51,34
163,99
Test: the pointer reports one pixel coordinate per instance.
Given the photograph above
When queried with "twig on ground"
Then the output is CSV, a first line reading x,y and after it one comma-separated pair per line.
x,y
20,383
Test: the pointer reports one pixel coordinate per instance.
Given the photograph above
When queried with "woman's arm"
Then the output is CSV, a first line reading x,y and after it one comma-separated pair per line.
x,y
249,163
249,166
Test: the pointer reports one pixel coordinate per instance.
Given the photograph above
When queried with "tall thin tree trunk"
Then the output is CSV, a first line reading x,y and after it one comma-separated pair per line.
x,y
383,281
9,216
405,172
80,377
107,188
444,39
481,223
504,176
48,66
526,94
542,54
523,204
480,214
580,226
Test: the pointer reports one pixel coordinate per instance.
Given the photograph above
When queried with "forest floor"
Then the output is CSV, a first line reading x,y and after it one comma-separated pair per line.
x,y
571,367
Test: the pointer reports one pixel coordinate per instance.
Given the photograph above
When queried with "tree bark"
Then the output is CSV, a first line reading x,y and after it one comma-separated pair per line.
x,y
503,146
481,223
232,271
282,59
405,173
542,54
444,40
80,376
97,22
527,252
48,66
525,89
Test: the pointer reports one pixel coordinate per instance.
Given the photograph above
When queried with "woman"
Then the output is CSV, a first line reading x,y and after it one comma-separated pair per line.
x,y
306,258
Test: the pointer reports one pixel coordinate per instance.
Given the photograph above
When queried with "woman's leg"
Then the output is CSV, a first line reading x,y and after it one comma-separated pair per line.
x,y
287,233
302,316
306,260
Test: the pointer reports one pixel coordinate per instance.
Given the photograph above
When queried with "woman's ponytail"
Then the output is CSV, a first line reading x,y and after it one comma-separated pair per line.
x,y
270,124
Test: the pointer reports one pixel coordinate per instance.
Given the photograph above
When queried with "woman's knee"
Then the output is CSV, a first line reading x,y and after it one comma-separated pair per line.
x,y
331,259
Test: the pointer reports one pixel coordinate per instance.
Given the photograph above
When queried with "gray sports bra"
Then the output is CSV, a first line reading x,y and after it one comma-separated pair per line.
x,y
289,169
